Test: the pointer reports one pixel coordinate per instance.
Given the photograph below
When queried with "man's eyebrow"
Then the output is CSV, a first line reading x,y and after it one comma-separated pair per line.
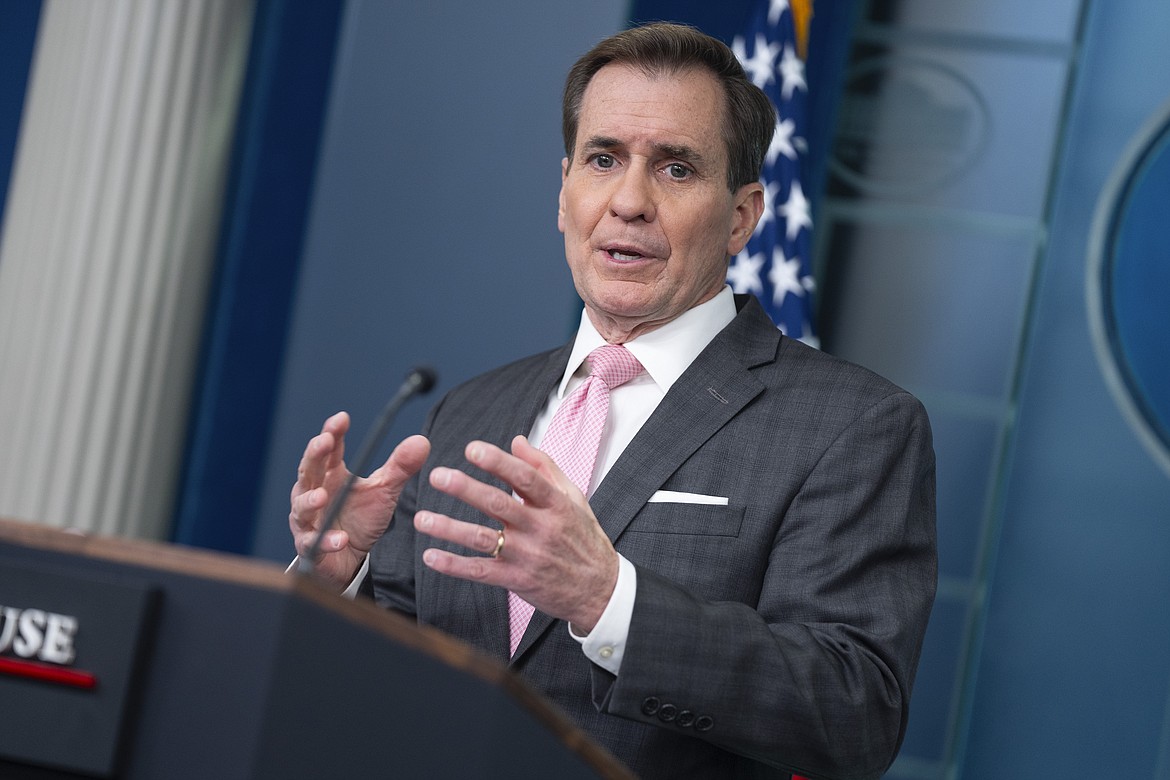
x,y
687,153
680,152
600,142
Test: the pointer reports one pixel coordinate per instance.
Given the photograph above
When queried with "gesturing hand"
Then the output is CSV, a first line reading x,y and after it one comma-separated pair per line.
x,y
368,509
555,554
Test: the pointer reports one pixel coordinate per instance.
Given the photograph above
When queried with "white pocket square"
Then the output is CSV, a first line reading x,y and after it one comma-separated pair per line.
x,y
675,497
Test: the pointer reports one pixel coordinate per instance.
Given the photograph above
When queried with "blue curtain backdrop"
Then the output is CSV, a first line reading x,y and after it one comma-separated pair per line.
x,y
18,36
278,133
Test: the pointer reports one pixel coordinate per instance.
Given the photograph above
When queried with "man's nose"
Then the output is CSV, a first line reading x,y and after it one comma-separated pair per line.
x,y
634,196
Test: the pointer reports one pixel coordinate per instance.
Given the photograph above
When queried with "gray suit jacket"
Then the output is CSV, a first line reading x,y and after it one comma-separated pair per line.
x,y
777,634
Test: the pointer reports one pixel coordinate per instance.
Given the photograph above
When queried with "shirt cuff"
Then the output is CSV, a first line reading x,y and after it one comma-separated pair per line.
x,y
606,643
354,585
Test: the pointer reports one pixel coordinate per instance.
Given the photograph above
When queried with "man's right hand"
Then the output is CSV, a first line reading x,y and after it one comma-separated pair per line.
x,y
368,509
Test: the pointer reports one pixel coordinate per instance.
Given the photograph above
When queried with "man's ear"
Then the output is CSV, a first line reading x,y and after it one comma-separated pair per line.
x,y
749,206
561,197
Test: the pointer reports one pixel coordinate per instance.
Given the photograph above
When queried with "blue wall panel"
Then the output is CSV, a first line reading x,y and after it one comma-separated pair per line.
x,y
1075,668
432,236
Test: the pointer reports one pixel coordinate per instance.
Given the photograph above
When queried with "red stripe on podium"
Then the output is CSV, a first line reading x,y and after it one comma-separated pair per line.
x,y
53,674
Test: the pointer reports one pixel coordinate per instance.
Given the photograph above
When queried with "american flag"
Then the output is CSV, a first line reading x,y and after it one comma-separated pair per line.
x,y
776,264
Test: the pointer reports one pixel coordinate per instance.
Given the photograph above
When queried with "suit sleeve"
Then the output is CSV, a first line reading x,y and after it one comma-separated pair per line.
x,y
815,677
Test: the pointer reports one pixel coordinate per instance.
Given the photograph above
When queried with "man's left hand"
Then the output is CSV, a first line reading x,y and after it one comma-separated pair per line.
x,y
555,555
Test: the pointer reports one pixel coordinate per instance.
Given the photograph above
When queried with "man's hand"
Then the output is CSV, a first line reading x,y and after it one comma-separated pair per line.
x,y
555,554
368,509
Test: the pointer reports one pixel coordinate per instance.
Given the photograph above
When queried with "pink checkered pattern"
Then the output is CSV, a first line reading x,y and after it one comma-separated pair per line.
x,y
573,438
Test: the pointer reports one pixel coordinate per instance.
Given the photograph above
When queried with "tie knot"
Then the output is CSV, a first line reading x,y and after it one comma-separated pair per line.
x,y
613,364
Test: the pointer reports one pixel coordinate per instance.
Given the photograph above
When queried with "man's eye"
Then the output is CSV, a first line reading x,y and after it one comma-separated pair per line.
x,y
603,161
678,171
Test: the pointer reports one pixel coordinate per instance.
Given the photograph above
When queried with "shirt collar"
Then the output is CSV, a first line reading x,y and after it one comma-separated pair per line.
x,y
664,352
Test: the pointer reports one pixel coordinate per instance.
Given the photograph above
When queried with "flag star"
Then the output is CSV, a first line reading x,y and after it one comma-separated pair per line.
x,y
761,66
776,9
791,73
781,142
795,211
737,48
771,190
784,276
744,273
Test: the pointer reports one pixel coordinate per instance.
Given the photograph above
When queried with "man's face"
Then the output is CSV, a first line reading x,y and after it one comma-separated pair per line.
x,y
648,219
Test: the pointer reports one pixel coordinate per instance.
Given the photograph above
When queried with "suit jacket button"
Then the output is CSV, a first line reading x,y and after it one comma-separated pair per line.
x,y
667,712
704,723
685,718
650,705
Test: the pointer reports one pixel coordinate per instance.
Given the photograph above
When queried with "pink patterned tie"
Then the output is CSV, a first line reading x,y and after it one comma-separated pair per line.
x,y
573,438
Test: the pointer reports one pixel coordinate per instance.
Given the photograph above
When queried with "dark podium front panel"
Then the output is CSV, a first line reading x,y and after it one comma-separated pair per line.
x,y
173,663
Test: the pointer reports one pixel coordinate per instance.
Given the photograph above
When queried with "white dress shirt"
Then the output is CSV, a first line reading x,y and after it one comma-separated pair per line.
x,y
665,353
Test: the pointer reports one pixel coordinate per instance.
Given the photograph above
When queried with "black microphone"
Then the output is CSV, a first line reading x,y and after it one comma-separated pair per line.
x,y
420,381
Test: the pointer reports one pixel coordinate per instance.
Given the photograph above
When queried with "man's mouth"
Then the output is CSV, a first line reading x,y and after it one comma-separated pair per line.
x,y
624,253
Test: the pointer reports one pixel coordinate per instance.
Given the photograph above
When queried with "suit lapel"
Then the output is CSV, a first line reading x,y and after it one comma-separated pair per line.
x,y
491,602
711,392
705,398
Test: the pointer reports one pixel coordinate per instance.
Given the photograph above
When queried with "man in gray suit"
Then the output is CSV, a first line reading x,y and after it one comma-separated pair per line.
x,y
745,590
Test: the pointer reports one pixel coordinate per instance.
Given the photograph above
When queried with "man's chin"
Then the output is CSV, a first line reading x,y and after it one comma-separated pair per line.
x,y
621,321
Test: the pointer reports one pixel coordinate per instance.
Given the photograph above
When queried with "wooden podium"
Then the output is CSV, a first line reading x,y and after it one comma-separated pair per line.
x,y
139,660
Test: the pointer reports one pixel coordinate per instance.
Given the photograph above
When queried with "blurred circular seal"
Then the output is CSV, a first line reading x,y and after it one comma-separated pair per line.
x,y
907,125
1128,284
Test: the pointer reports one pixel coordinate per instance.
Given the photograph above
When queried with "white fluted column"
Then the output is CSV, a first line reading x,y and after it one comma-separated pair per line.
x,y
106,251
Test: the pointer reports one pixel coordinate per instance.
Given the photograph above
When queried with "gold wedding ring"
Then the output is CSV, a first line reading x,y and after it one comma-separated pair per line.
x,y
499,544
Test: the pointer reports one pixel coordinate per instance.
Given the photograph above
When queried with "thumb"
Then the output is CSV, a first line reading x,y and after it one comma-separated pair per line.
x,y
405,461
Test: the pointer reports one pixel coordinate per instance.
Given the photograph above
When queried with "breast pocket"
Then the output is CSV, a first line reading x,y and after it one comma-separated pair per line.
x,y
691,519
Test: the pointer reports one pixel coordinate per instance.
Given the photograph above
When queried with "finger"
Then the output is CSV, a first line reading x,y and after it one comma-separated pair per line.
x,y
331,542
304,519
338,426
475,537
486,570
307,468
537,487
488,499
305,507
323,452
539,461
